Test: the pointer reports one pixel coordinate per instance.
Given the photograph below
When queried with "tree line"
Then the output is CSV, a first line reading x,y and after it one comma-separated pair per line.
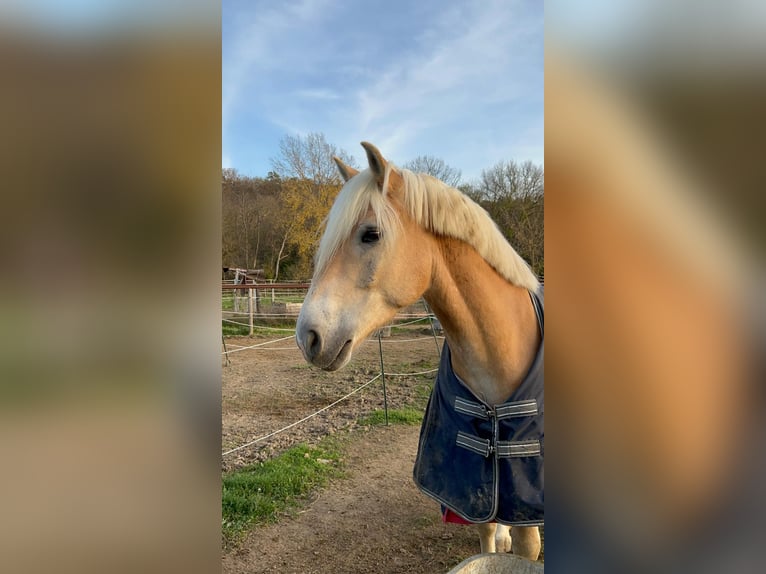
x,y
273,223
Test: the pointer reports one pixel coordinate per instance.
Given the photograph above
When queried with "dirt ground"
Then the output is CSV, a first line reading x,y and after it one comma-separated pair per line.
x,y
271,386
374,519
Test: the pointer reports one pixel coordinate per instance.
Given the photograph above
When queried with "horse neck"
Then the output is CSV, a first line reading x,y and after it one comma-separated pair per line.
x,y
490,324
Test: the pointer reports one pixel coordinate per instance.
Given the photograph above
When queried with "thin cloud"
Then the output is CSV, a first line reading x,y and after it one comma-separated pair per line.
x,y
453,78
256,37
462,81
318,94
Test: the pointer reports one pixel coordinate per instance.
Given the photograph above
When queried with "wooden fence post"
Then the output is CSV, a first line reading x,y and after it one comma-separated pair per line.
x,y
250,309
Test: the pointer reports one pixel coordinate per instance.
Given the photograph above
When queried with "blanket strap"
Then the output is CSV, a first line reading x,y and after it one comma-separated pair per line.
x,y
518,448
504,448
510,410
475,444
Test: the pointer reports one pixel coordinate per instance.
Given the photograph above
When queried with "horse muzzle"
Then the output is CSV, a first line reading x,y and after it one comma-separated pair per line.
x,y
327,353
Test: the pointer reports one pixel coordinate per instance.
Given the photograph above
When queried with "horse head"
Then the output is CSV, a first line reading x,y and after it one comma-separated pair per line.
x,y
371,262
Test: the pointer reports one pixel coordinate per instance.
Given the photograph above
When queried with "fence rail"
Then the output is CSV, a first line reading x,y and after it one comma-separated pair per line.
x,y
269,302
264,286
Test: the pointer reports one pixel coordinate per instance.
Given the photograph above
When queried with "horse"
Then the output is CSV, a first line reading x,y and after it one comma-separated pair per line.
x,y
392,237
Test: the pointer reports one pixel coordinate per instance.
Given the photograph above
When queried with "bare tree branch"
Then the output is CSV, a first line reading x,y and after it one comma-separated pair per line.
x,y
436,167
309,158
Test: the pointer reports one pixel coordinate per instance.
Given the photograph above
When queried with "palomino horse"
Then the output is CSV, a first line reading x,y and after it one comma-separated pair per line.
x,y
393,236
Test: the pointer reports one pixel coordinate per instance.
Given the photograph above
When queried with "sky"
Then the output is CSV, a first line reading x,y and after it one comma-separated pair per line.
x,y
455,79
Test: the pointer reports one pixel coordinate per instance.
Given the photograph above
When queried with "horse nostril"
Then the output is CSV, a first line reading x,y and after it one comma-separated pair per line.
x,y
313,343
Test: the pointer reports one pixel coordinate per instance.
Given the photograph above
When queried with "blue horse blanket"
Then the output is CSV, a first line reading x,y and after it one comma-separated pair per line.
x,y
485,462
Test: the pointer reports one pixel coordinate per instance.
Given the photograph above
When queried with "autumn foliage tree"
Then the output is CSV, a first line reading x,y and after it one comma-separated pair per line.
x,y
274,223
310,182
250,211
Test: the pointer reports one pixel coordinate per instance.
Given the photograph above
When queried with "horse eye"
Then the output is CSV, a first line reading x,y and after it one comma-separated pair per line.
x,y
371,235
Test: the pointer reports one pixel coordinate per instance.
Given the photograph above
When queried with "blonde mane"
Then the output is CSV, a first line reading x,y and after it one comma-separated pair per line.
x,y
433,205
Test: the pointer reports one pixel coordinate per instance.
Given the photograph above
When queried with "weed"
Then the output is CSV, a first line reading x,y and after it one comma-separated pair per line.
x,y
423,391
403,416
234,330
260,493
242,330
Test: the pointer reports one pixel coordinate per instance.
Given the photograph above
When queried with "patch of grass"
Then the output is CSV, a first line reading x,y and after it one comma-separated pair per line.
x,y
234,330
260,493
302,367
400,330
402,416
242,330
289,299
275,331
423,392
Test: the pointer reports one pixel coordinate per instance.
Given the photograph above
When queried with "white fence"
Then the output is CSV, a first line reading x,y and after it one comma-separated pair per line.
x,y
267,305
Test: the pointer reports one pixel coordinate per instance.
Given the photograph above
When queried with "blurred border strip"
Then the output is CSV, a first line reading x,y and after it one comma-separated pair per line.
x,y
109,297
654,245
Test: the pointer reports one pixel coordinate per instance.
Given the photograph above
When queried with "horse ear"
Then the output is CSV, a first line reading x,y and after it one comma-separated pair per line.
x,y
377,162
346,171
